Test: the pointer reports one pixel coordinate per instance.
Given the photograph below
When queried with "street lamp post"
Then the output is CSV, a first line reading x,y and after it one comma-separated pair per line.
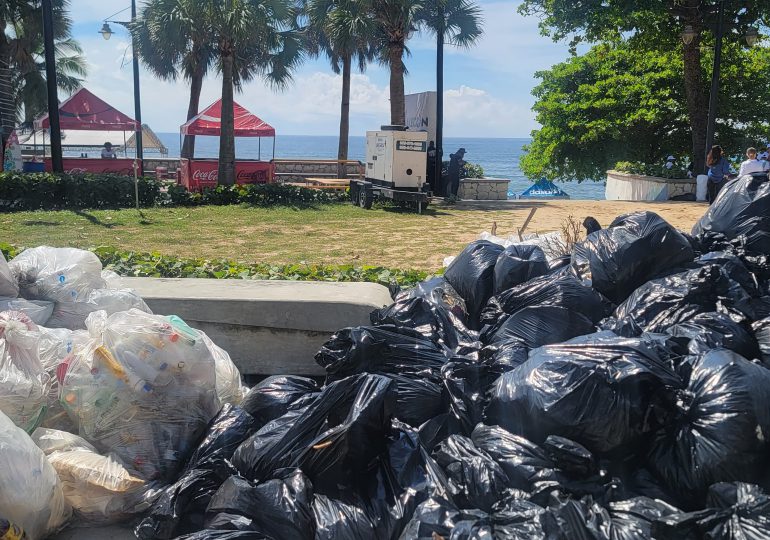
x,y
438,186
106,33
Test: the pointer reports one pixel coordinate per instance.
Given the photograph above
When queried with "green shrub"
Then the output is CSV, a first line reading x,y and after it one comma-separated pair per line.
x,y
469,170
645,169
134,264
48,191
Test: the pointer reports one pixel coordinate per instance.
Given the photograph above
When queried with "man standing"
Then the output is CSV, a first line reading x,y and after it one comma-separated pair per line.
x,y
108,152
456,164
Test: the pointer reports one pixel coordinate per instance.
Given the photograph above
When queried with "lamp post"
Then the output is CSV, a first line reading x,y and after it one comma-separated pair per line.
x,y
57,164
438,185
688,35
106,33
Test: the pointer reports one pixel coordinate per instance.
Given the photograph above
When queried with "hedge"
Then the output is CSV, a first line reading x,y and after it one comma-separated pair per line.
x,y
48,191
134,264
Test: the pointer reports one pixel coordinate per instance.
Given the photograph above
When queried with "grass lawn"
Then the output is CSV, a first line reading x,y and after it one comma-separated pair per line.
x,y
331,234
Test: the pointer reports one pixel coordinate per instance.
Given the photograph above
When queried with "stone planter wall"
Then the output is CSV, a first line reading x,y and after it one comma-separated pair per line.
x,y
634,187
483,189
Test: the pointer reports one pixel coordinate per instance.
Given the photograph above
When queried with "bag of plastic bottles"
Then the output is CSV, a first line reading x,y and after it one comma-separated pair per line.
x,y
31,495
9,288
39,311
57,274
100,489
24,384
73,315
144,390
633,249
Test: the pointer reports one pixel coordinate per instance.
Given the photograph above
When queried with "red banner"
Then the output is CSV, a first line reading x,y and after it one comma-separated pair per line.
x,y
198,174
123,166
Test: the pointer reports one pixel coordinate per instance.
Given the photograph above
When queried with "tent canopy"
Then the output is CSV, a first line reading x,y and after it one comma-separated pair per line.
x,y
209,122
76,140
84,111
544,189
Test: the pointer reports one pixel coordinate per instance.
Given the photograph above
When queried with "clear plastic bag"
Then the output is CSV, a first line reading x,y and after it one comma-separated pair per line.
x,y
24,384
31,495
73,315
144,389
39,311
229,386
57,274
8,285
99,488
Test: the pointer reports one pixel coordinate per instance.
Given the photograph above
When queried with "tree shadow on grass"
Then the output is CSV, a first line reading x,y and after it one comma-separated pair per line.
x,y
40,222
95,220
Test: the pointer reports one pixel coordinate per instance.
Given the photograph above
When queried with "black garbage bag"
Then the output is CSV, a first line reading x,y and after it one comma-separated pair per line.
x,y
518,519
337,519
274,396
720,432
632,250
707,331
471,274
477,481
762,334
564,290
541,325
466,384
180,507
213,534
602,392
660,304
412,362
558,264
519,263
735,511
733,267
505,356
632,519
439,518
278,508
332,440
577,518
741,209
432,308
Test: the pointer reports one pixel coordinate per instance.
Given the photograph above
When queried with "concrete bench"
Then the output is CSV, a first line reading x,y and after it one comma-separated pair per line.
x,y
268,327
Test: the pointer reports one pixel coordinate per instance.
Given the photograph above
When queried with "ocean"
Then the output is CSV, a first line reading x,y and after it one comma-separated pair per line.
x,y
498,157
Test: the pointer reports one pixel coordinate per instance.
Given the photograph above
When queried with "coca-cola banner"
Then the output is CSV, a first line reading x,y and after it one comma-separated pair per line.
x,y
90,165
198,173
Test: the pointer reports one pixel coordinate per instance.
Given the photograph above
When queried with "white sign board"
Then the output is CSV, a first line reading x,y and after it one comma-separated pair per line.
x,y
421,113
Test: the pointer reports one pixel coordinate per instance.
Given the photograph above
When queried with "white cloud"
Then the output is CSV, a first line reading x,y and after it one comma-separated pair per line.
x,y
474,112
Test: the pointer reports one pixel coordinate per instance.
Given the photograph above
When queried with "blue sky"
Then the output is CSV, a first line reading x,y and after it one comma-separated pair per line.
x,y
487,88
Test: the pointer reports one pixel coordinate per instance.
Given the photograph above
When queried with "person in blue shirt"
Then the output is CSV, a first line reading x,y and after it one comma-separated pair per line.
x,y
719,168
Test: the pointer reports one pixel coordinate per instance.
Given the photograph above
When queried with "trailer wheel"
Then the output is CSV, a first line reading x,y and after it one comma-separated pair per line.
x,y
365,197
355,189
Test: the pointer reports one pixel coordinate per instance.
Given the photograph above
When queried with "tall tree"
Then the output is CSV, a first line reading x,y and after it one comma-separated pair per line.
x,y
345,31
655,25
252,38
21,47
397,21
618,103
173,39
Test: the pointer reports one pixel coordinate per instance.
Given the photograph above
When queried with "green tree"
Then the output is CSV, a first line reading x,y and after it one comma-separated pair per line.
x,y
618,103
345,32
397,21
252,38
21,48
172,40
655,25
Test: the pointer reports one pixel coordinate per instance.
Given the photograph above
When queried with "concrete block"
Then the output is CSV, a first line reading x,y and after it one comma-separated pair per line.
x,y
268,327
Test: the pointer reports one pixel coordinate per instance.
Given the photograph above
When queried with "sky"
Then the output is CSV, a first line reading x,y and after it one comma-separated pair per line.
x,y
487,88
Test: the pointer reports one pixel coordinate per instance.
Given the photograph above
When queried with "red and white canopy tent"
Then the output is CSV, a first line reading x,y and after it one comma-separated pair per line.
x,y
199,173
85,111
247,124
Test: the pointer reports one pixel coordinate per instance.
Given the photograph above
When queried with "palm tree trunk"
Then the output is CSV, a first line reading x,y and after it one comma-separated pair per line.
x,y
342,152
697,99
196,85
227,135
7,121
397,107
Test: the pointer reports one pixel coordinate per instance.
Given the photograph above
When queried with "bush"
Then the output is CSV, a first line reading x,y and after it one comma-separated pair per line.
x,y
47,191
133,264
645,169
469,170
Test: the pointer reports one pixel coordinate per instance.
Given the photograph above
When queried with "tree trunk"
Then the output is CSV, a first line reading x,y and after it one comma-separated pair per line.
x,y
697,99
397,107
7,111
342,152
196,85
227,135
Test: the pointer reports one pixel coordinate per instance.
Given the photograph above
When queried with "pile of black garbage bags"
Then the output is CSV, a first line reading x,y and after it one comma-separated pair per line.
x,y
620,393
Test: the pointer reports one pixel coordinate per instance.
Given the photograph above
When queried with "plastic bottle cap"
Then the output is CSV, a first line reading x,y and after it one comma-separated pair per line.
x,y
70,398
174,338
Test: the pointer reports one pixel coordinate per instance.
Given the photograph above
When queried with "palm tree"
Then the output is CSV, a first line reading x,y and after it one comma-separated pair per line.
x,y
457,22
21,45
345,31
397,20
253,38
173,38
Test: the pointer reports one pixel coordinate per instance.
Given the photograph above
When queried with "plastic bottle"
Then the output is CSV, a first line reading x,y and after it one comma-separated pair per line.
x,y
9,531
